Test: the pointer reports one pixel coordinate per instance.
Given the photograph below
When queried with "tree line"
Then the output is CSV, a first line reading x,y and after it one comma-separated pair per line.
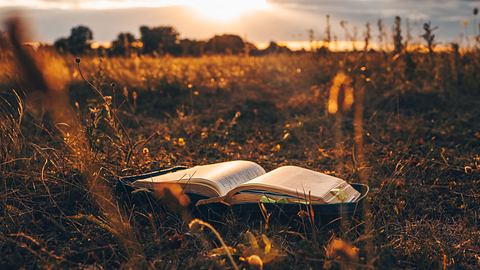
x,y
160,40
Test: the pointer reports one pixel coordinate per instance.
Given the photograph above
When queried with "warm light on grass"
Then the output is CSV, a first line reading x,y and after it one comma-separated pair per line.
x,y
340,80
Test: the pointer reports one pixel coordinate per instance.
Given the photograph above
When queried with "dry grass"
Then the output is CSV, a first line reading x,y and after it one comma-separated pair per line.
x,y
418,147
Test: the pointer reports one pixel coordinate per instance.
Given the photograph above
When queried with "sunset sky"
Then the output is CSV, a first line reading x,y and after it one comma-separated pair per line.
x,y
257,20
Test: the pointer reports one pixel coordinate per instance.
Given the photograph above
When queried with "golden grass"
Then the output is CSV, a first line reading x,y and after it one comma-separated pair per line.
x,y
413,139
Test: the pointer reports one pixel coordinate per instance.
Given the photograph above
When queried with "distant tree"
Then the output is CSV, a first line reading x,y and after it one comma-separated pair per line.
x,y
161,40
249,48
123,45
225,44
192,47
80,40
61,45
273,47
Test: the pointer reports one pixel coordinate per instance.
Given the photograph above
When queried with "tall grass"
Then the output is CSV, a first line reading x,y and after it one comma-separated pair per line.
x,y
71,129
11,115
54,99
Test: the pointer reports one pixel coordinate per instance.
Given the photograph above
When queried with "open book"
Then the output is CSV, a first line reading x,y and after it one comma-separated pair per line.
x,y
236,182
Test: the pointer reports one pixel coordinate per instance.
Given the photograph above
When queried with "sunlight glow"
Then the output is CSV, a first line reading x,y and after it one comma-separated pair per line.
x,y
215,10
87,4
222,10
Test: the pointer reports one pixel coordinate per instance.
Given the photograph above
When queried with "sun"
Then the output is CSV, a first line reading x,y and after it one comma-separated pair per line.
x,y
225,10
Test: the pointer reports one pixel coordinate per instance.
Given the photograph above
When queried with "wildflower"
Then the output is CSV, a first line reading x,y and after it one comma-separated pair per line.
x,y
255,262
108,100
196,225
257,253
181,142
277,148
339,248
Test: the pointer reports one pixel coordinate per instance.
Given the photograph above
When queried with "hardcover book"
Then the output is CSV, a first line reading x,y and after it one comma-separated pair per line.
x,y
239,182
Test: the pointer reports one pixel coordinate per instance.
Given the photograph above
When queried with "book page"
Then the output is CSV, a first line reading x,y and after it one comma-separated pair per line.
x,y
221,176
301,183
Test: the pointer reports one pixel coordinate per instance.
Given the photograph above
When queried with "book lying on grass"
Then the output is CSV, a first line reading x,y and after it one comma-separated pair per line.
x,y
237,182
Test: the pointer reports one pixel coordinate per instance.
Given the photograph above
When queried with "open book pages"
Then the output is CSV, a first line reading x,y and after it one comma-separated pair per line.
x,y
213,180
291,184
241,181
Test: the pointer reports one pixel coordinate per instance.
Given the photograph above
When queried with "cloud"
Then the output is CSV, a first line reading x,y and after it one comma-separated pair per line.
x,y
87,4
288,19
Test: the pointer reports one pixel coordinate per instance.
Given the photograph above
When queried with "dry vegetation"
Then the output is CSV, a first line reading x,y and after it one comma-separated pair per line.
x,y
59,161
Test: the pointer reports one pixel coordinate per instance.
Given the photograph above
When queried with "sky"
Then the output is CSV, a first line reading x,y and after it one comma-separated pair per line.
x,y
258,21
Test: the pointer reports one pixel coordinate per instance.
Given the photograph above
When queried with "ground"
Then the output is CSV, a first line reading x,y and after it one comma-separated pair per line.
x,y
418,149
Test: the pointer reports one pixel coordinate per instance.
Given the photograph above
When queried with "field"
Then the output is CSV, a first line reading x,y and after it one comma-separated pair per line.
x,y
405,124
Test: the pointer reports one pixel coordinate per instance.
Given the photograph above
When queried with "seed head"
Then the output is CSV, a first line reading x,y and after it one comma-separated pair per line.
x,y
255,262
196,225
